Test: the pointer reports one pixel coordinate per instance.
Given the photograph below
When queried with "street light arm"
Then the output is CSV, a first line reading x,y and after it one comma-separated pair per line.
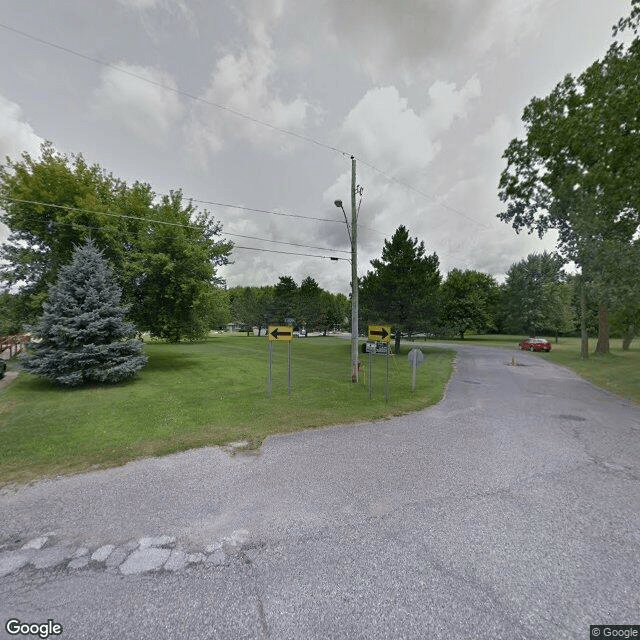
x,y
338,204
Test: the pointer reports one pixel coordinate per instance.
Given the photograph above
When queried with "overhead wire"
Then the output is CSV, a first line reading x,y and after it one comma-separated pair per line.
x,y
240,114
174,224
273,213
166,87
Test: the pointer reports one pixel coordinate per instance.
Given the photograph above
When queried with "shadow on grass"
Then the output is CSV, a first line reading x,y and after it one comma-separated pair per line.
x,y
36,384
171,362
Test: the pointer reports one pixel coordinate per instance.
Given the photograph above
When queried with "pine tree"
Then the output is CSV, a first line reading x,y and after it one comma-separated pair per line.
x,y
84,337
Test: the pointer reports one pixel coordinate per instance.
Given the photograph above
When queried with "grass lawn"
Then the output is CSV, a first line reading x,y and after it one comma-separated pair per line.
x,y
619,372
195,394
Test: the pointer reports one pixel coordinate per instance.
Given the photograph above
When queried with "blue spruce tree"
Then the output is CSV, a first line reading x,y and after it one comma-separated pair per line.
x,y
84,337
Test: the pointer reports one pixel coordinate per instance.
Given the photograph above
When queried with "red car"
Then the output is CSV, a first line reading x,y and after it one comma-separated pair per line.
x,y
535,344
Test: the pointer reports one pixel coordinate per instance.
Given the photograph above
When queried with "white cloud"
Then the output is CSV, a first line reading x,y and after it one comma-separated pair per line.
x,y
246,82
146,110
16,135
140,4
387,132
415,37
171,6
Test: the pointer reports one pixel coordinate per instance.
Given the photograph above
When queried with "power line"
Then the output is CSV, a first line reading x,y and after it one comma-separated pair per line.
x,y
406,185
273,213
290,253
173,89
246,117
151,220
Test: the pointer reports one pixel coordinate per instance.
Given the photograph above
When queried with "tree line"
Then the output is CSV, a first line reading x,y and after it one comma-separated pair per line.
x,y
406,290
306,306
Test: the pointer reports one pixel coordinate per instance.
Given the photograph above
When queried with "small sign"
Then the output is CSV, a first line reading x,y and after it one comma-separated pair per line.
x,y
379,333
416,357
379,348
281,334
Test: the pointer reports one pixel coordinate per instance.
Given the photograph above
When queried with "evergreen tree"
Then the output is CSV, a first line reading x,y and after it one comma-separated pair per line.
x,y
84,337
403,287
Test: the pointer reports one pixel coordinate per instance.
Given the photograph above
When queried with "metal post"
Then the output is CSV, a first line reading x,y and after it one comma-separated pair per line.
x,y
289,367
413,381
270,360
386,384
354,275
370,374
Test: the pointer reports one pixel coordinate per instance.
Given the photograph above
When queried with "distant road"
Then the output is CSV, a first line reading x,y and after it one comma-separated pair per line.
x,y
510,510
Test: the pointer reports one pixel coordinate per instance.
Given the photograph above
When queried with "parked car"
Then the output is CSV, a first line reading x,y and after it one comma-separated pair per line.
x,y
535,344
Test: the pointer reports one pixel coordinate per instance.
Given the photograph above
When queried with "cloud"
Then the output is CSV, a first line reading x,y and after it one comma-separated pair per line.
x,y
387,132
16,135
146,110
176,7
140,4
416,36
246,82
406,141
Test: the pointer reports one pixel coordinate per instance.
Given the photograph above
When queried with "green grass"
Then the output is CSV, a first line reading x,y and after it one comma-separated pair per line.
x,y
196,394
618,372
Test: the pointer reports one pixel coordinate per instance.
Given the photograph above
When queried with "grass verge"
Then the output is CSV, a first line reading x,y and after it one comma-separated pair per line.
x,y
618,372
197,394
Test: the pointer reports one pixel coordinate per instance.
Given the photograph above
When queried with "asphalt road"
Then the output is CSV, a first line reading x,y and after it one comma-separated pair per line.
x,y
510,510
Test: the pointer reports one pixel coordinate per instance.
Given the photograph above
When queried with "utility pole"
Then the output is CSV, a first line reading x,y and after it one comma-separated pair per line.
x,y
354,275
353,236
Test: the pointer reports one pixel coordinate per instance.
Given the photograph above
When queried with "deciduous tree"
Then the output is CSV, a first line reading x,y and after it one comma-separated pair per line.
x,y
468,301
163,252
536,297
578,168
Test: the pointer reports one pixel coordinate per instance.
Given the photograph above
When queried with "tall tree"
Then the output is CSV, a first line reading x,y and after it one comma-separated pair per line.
x,y
535,296
252,306
335,309
468,300
55,202
578,168
402,288
310,304
171,277
285,299
83,335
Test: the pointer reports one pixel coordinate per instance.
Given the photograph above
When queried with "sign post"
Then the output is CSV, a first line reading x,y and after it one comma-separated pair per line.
x,y
416,358
270,361
289,377
379,337
370,372
277,333
386,382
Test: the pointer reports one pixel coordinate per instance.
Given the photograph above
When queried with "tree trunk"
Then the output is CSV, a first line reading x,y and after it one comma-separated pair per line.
x,y
397,343
584,337
627,337
602,348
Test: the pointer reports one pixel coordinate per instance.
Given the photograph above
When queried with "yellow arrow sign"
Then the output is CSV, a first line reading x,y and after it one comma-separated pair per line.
x,y
380,333
281,334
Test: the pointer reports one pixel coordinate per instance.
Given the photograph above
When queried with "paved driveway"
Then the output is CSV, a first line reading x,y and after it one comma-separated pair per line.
x,y
510,510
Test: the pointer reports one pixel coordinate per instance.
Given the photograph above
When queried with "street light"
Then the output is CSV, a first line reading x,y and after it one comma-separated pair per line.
x,y
353,237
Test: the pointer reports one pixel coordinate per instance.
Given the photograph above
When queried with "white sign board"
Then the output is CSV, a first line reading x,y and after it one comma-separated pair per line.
x,y
416,357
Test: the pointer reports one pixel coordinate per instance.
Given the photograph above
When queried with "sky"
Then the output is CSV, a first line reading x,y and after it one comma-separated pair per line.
x,y
261,103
